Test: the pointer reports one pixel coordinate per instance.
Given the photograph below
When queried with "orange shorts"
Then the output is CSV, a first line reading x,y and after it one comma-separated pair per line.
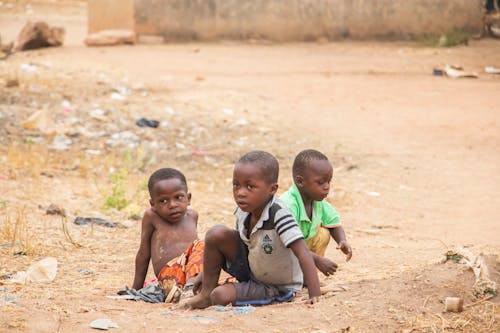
x,y
185,266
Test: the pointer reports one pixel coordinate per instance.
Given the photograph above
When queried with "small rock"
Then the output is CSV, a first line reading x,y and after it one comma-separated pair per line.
x,y
103,324
35,35
12,83
110,38
55,210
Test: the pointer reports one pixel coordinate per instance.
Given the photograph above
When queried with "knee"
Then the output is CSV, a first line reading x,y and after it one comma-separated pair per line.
x,y
221,296
217,234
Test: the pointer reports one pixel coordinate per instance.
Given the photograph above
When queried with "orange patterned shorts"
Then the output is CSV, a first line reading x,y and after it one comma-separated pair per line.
x,y
185,266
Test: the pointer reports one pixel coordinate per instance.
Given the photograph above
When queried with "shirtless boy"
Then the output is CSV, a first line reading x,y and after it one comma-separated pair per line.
x,y
168,237
266,253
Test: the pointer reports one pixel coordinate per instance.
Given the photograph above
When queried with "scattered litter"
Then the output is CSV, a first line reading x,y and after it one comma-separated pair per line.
x,y
169,110
8,300
61,142
126,138
103,324
492,70
180,145
229,112
98,114
97,220
118,97
85,271
55,210
373,193
483,285
66,106
28,68
454,304
42,271
164,124
239,122
152,293
437,72
234,309
187,314
143,122
458,72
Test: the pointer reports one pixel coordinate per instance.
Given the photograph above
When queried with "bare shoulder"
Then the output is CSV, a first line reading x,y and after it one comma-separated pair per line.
x,y
149,217
192,215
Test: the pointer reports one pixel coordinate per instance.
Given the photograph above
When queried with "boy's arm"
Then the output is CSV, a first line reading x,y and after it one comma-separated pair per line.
x,y
144,253
306,262
338,234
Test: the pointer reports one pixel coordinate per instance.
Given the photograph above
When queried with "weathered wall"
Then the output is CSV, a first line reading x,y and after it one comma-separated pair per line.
x,y
301,19
110,14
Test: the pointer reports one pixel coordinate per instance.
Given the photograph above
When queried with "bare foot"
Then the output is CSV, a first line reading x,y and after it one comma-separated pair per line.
x,y
197,302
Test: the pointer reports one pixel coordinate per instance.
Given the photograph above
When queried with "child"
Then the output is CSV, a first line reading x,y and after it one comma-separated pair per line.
x,y
266,253
168,235
317,219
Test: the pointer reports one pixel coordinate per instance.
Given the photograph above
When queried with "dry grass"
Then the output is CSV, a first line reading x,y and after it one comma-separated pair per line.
x,y
17,232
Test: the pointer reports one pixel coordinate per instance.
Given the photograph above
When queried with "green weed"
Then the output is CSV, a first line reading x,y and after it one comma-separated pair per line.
x,y
117,198
449,39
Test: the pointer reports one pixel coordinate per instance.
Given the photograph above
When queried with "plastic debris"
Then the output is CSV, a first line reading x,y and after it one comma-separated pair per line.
x,y
29,68
143,122
169,110
97,220
60,142
458,72
235,309
117,96
437,72
43,271
454,304
85,271
373,193
125,138
103,324
492,70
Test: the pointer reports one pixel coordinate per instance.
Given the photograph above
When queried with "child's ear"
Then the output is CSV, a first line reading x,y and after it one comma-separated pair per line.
x,y
189,198
274,188
151,202
299,180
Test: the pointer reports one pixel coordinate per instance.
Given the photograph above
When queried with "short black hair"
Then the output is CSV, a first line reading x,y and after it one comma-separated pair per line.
x,y
304,158
162,174
267,163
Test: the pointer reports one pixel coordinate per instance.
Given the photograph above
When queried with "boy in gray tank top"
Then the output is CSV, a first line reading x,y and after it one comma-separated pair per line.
x,y
266,253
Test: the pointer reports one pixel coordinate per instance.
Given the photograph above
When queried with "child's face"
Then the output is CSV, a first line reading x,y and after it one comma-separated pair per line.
x,y
170,199
251,191
315,181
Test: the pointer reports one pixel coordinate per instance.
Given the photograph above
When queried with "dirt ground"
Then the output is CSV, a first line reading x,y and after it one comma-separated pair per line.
x,y
416,160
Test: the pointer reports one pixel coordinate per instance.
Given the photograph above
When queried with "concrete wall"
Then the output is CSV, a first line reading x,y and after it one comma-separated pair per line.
x,y
286,20
110,14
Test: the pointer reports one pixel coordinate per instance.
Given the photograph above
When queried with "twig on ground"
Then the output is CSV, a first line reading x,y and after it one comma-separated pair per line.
x,y
66,233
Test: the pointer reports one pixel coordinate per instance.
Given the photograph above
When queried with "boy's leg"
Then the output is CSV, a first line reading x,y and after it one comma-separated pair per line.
x,y
319,242
221,245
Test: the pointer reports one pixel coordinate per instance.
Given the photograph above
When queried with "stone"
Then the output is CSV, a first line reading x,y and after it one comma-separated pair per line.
x,y
35,35
110,38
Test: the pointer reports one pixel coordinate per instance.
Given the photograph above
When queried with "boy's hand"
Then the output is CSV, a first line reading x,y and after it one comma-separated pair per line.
x,y
312,300
346,248
197,281
325,265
